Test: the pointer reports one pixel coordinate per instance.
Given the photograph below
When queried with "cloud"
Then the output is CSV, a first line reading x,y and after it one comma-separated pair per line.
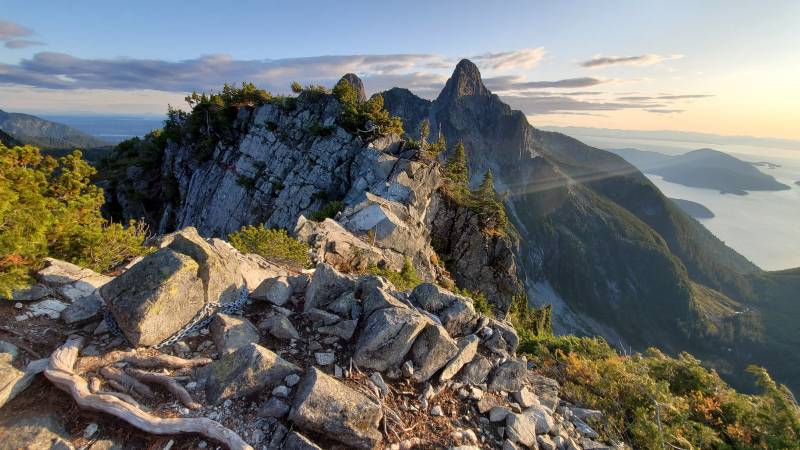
x,y
524,58
559,104
665,97
10,30
638,60
21,43
513,83
665,111
62,71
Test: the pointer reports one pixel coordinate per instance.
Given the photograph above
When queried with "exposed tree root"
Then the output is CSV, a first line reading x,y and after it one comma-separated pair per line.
x,y
168,382
61,372
113,373
138,359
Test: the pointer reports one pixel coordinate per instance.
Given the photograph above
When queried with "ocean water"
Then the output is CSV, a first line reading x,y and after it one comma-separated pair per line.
x,y
764,226
112,129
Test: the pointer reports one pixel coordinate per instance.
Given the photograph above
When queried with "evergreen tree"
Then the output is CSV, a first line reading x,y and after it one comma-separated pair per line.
x,y
456,167
486,192
424,131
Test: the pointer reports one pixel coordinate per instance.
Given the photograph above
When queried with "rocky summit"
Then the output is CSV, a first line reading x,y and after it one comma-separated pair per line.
x,y
338,361
317,278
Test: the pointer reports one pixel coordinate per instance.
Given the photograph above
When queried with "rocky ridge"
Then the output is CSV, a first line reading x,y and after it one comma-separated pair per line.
x,y
312,359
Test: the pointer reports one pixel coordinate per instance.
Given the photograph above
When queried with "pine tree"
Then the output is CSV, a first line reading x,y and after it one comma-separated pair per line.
x,y
424,131
486,192
456,167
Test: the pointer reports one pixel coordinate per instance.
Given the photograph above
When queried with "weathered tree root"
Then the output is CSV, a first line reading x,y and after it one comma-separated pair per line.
x,y
61,372
113,373
168,382
96,387
134,357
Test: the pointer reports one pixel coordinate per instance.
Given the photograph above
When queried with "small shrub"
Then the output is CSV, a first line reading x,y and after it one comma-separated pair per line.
x,y
403,280
479,301
297,87
50,207
328,211
246,182
273,244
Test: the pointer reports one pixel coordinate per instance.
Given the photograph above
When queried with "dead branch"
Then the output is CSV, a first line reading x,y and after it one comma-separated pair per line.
x,y
134,357
61,373
113,373
168,382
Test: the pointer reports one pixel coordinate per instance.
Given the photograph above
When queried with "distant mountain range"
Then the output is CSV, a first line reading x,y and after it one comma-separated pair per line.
x,y
47,135
703,168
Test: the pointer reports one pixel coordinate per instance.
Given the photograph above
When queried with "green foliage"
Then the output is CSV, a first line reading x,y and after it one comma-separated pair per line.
x,y
653,401
484,201
368,119
455,169
50,207
328,211
273,244
479,301
403,280
297,87
211,118
529,322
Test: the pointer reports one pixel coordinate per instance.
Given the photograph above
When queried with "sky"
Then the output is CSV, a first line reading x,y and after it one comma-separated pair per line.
x,y
725,67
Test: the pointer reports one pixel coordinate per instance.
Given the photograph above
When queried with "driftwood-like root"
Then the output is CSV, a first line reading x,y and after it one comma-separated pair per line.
x,y
134,357
61,373
168,382
113,373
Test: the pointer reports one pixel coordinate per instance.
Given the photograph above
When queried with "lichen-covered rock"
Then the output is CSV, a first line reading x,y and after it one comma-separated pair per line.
x,y
326,285
387,336
156,297
276,290
467,348
231,333
250,369
521,428
279,326
328,407
476,371
218,266
510,376
432,349
58,273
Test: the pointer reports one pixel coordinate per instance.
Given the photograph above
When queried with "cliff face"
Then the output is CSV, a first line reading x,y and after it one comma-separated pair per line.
x,y
478,262
285,164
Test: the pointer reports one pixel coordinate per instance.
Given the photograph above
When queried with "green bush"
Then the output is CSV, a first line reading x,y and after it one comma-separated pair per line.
x,y
273,244
50,207
403,280
479,300
653,401
356,115
328,211
296,87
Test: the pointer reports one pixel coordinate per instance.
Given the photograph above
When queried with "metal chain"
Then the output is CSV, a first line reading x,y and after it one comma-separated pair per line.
x,y
200,320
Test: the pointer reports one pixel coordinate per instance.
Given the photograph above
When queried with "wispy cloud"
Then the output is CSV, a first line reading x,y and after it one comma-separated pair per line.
x,y
11,30
666,97
513,83
665,111
516,59
62,71
21,43
637,60
561,104
12,33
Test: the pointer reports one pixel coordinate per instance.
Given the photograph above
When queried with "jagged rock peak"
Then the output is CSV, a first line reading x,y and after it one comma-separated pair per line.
x,y
357,84
465,81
